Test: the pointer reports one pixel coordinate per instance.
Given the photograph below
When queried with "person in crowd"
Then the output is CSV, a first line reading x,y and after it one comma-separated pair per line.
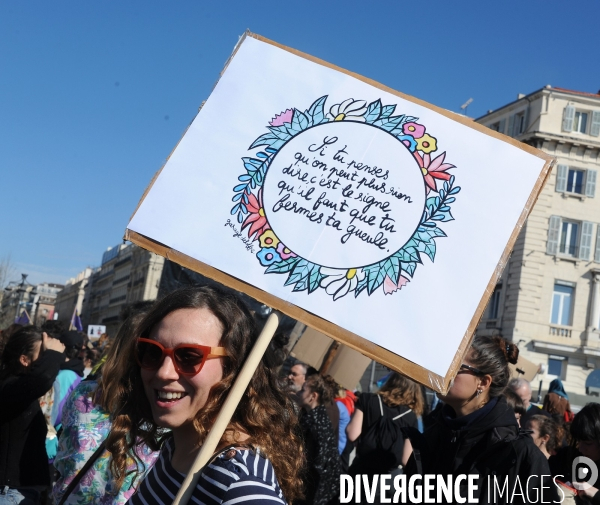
x,y
348,399
322,482
556,402
585,441
546,434
297,376
29,364
54,328
377,425
330,405
476,431
515,403
87,423
70,375
7,332
102,342
522,388
89,361
190,348
344,414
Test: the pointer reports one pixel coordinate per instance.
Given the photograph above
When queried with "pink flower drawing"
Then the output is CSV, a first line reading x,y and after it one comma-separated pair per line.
x,y
390,287
284,252
415,130
284,117
433,169
256,215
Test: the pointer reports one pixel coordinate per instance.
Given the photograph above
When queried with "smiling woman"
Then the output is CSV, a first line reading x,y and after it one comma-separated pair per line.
x,y
189,350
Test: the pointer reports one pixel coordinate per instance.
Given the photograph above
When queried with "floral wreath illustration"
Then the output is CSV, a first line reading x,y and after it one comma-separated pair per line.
x,y
392,273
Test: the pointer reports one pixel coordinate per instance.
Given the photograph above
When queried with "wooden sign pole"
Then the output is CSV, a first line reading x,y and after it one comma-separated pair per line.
x,y
233,398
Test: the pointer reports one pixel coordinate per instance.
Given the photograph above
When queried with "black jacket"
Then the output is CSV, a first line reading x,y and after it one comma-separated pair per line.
x,y
23,459
487,443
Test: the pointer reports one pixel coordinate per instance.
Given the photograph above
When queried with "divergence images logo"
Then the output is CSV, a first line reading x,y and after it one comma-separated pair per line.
x,y
584,473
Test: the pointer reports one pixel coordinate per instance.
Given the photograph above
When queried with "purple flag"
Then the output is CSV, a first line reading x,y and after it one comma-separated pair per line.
x,y
76,322
23,319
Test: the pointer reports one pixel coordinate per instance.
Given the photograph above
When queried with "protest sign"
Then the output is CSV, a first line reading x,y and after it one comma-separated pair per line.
x,y
380,220
95,330
344,364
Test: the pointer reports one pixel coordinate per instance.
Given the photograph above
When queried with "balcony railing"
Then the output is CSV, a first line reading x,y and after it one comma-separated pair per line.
x,y
557,331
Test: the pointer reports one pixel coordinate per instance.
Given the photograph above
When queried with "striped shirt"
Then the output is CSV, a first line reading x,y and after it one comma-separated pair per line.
x,y
236,476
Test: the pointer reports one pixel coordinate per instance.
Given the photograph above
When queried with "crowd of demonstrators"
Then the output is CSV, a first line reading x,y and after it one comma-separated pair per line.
x,y
130,425
29,364
189,350
87,423
377,425
476,432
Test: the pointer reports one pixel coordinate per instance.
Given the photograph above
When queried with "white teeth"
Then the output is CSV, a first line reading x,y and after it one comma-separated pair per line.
x,y
167,395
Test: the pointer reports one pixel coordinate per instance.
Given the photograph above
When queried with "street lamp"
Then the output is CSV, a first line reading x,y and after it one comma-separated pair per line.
x,y
21,290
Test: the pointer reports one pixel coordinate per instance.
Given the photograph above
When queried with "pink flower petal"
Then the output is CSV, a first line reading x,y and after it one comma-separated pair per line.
x,y
257,226
388,286
437,162
430,182
284,117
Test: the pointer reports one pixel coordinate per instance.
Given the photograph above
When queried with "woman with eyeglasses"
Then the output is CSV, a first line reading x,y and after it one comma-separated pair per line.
x,y
476,432
190,349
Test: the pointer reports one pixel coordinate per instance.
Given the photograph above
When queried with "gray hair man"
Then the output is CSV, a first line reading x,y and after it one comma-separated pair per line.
x,y
522,388
297,376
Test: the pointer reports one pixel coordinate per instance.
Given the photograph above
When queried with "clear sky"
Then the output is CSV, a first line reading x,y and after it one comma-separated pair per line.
x,y
95,94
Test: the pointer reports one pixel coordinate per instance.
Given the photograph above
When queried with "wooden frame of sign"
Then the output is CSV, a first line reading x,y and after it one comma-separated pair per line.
x,y
385,357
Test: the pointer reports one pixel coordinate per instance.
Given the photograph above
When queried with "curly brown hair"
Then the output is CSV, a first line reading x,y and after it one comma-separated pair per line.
x,y
265,413
399,390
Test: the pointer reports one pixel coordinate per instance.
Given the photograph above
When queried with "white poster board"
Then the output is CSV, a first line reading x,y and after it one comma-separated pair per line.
x,y
374,217
95,330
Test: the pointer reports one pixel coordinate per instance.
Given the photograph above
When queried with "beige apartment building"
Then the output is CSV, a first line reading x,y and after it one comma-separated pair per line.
x,y
128,274
548,299
72,297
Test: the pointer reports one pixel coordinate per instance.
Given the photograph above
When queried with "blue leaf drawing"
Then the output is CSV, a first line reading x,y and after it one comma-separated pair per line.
x,y
299,122
316,113
282,267
377,273
387,111
409,268
373,111
362,284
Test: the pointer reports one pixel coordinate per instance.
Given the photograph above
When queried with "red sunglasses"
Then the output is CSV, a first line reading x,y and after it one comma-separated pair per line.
x,y
188,359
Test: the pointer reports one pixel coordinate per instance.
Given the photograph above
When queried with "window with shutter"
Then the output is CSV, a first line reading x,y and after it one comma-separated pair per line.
x,y
580,121
511,125
561,178
503,123
568,115
590,183
595,128
570,238
575,181
585,241
553,235
597,252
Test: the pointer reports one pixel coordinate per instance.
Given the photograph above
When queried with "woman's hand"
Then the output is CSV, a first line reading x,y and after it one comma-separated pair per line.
x,y
53,344
587,492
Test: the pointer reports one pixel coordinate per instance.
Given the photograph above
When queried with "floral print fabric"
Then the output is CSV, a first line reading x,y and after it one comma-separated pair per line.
x,y
85,426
